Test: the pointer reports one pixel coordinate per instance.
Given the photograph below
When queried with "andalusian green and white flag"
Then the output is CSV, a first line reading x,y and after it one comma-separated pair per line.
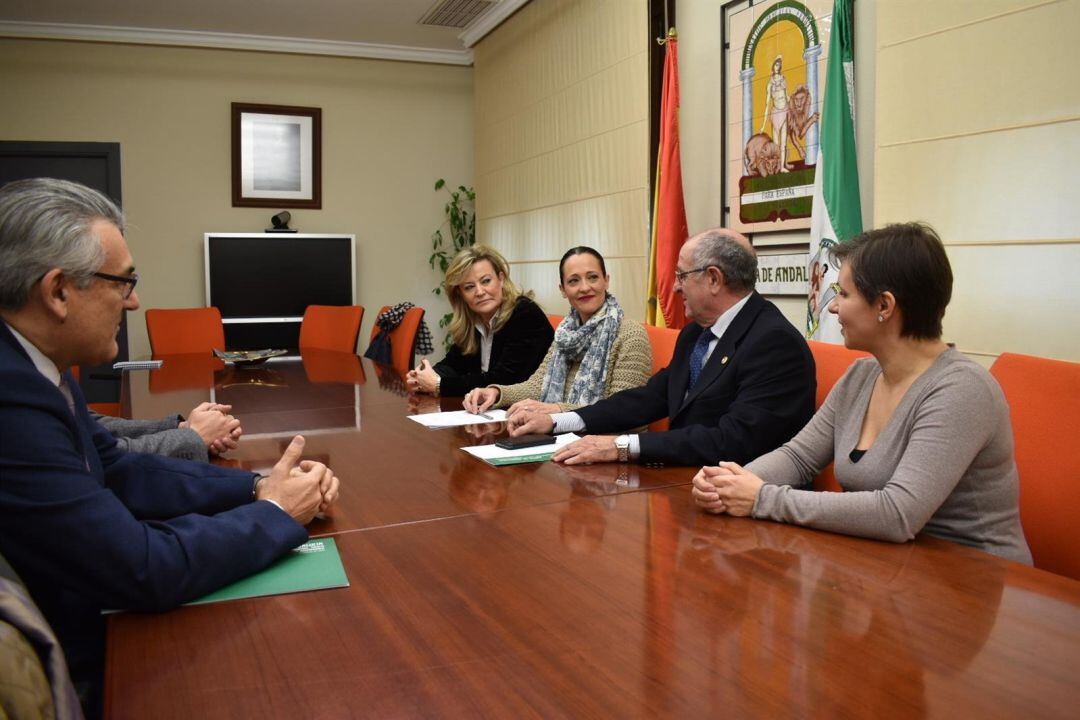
x,y
837,211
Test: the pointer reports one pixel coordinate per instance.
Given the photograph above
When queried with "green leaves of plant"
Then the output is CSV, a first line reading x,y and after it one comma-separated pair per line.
x,y
462,221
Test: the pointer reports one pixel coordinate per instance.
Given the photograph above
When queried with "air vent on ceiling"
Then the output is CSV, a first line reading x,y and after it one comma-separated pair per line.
x,y
455,13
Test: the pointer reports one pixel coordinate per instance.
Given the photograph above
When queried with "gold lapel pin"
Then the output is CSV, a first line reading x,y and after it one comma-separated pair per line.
x,y
723,360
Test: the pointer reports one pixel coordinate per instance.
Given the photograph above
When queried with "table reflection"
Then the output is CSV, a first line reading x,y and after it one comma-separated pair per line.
x,y
747,593
318,392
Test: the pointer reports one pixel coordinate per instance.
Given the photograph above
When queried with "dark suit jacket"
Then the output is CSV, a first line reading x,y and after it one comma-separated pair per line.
x,y
88,526
516,351
755,392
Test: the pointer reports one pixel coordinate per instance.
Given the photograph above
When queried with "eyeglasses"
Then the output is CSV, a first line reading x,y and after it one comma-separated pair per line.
x,y
680,275
128,280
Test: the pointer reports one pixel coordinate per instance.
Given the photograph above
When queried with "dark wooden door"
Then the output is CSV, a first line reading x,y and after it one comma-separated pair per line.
x,y
96,165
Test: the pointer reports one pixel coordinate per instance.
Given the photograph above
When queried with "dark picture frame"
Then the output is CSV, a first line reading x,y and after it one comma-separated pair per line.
x,y
276,156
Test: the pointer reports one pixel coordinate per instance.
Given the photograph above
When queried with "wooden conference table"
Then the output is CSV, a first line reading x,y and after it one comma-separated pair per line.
x,y
544,591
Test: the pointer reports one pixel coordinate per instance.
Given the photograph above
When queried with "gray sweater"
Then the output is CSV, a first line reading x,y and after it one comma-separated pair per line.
x,y
943,463
157,437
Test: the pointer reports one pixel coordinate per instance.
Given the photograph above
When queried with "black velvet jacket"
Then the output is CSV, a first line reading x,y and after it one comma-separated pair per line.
x,y
517,350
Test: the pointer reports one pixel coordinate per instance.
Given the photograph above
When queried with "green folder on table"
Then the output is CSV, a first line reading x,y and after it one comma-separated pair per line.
x,y
315,565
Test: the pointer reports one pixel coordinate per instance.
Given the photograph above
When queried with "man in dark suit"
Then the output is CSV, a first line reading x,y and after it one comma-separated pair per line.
x,y
741,381
85,524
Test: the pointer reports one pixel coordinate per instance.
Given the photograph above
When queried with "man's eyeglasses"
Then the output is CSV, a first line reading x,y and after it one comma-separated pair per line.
x,y
680,275
128,280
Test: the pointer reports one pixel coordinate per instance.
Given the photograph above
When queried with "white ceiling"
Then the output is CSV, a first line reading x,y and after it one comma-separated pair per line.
x,y
344,27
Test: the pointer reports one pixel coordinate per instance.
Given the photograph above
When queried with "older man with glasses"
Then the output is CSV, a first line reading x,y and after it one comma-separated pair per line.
x,y
85,524
741,380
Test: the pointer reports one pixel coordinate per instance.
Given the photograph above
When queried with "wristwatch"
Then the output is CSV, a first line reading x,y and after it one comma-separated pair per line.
x,y
622,444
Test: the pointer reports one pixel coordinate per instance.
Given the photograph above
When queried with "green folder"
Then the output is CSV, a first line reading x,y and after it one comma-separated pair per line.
x,y
315,565
519,459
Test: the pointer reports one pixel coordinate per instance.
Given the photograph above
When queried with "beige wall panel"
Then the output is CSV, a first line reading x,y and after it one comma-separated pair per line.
x,y
613,224
549,45
610,163
700,132
627,284
1015,185
793,308
1015,299
905,19
389,130
1012,70
601,103
562,142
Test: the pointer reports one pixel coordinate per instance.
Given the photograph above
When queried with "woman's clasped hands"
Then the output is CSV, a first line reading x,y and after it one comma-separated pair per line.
x,y
726,488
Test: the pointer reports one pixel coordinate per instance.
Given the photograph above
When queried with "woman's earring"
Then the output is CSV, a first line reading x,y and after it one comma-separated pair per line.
x,y
880,317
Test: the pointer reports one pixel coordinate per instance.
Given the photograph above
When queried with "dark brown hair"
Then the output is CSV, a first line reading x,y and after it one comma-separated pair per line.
x,y
581,250
908,260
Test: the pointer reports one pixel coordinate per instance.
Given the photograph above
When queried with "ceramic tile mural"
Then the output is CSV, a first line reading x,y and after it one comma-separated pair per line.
x,y
775,68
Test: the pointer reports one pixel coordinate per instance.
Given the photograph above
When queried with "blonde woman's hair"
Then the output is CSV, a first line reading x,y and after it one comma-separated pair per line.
x,y
464,321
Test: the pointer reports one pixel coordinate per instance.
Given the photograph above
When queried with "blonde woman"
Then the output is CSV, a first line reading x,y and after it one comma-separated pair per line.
x,y
597,352
500,335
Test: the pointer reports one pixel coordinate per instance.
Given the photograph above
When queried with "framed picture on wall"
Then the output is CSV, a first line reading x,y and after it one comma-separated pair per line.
x,y
276,156
774,60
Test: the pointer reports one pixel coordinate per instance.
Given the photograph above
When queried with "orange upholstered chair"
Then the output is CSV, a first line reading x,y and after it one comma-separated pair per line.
x,y
555,321
187,330
331,327
662,341
402,338
1044,402
831,362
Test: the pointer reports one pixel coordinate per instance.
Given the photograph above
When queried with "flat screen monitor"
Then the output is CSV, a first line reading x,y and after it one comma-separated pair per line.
x,y
267,275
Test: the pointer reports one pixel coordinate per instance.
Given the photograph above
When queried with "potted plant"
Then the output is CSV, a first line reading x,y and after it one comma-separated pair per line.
x,y
461,218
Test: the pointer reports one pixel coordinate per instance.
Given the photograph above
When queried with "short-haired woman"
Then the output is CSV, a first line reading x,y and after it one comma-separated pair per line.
x,y
597,352
919,434
499,334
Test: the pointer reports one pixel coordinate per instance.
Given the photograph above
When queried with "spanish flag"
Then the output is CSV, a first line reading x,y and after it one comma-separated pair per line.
x,y
664,308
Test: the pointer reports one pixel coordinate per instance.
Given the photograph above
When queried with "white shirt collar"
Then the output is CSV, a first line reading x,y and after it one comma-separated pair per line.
x,y
44,365
724,321
486,340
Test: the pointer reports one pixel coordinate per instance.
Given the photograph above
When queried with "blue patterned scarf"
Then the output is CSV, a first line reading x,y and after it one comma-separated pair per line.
x,y
592,343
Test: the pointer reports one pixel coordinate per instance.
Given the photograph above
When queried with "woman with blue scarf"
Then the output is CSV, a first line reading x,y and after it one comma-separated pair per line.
x,y
596,352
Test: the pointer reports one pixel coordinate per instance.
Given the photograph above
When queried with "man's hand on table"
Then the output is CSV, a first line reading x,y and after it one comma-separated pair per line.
x,y
301,488
530,423
589,449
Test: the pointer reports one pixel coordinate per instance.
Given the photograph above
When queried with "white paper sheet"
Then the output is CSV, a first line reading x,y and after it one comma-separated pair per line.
x,y
457,418
495,455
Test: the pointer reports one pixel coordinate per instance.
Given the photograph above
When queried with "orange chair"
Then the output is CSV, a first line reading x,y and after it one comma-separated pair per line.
x,y
831,362
555,321
1044,402
331,327
102,408
662,341
402,338
189,330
